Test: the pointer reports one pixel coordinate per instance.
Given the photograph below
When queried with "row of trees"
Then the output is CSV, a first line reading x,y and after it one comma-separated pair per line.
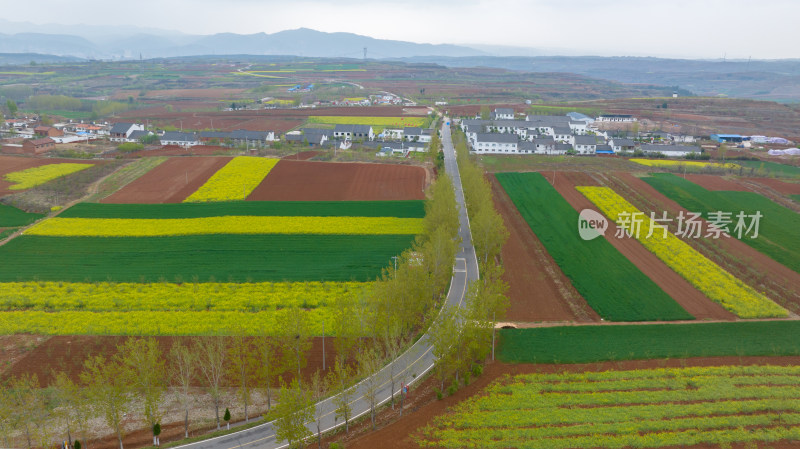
x,y
463,338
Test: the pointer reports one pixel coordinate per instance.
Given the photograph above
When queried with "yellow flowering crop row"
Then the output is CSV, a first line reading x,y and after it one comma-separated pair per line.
x,y
32,177
157,227
148,323
235,181
696,164
185,297
708,277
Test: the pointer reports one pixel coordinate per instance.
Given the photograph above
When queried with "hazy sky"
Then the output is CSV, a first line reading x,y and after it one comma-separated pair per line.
x,y
763,29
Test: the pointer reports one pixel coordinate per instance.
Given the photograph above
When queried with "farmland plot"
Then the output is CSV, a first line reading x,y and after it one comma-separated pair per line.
x,y
609,282
617,409
777,235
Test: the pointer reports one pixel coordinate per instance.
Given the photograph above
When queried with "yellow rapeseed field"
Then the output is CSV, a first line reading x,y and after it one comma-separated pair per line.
x,y
151,227
694,164
708,277
235,181
32,177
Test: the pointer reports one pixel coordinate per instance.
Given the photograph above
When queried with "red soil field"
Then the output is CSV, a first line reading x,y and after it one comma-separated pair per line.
x,y
67,353
474,109
716,183
329,181
740,259
786,188
10,164
211,93
691,299
302,156
538,289
395,432
170,182
176,150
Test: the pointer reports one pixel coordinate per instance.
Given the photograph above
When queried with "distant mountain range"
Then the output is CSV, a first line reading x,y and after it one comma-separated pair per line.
x,y
101,44
25,42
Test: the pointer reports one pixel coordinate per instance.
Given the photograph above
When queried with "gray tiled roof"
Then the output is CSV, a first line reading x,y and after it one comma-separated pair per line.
x,y
120,128
497,137
178,136
585,140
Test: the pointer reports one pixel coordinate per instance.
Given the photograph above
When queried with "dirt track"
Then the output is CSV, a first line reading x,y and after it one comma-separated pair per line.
x,y
691,299
716,183
538,289
787,188
328,181
170,182
748,264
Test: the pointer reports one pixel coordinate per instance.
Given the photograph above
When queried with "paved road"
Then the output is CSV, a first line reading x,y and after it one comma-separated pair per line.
x,y
410,366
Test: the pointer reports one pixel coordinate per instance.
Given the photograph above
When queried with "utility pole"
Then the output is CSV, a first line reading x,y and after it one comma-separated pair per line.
x,y
323,345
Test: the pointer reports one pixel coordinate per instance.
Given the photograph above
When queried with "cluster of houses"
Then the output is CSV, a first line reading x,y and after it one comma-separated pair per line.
x,y
574,133
389,141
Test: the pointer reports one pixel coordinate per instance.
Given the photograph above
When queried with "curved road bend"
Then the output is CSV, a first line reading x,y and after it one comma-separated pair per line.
x,y
411,365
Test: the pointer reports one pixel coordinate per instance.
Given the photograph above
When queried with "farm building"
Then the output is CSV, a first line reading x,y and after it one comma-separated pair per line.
x,y
38,146
618,118
621,144
48,131
352,132
121,131
728,138
669,150
603,149
179,138
417,134
585,144
495,143
503,114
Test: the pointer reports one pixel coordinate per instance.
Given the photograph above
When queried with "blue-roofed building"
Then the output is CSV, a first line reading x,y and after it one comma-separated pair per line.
x,y
728,138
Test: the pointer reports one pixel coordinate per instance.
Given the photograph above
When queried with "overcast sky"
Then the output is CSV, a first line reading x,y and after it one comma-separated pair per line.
x,y
762,29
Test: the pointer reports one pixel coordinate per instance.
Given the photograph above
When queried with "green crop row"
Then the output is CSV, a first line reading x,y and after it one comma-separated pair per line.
x,y
777,233
585,344
765,168
710,406
203,258
401,209
610,283
12,217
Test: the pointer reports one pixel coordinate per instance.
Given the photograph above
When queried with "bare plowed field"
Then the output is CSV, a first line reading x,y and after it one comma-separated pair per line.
x,y
175,150
10,164
787,188
741,260
716,183
327,181
170,182
538,289
672,283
